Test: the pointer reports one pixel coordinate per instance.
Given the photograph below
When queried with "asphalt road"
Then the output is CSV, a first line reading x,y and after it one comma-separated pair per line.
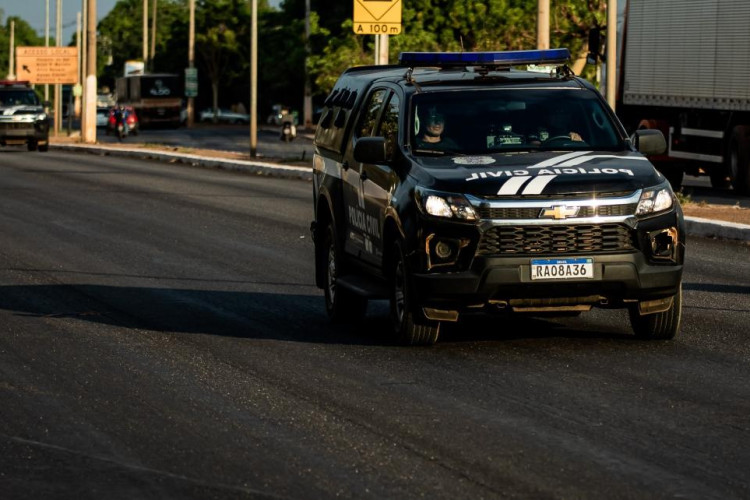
x,y
161,337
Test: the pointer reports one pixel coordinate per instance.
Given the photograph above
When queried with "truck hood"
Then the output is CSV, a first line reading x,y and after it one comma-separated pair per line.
x,y
538,173
21,109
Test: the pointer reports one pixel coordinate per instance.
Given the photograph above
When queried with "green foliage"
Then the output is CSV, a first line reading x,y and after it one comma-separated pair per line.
x,y
222,44
24,36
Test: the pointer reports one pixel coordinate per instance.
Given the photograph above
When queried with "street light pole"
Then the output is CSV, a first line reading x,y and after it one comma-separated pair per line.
x,y
153,37
542,25
254,79
89,132
46,43
145,32
307,103
191,63
58,87
611,51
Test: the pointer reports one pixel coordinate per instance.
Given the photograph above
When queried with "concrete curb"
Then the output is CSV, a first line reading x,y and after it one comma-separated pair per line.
x,y
695,226
254,167
707,228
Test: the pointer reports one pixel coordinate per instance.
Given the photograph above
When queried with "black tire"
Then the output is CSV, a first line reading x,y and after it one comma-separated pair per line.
x,y
32,145
43,148
342,306
409,323
659,326
739,159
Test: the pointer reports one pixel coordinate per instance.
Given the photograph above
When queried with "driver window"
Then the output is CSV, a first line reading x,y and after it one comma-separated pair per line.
x,y
389,125
371,111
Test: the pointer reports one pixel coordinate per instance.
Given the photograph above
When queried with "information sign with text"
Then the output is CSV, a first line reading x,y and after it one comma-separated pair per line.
x,y
52,65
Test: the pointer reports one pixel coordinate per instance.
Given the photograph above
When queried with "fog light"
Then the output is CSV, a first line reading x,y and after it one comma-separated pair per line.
x,y
663,243
443,250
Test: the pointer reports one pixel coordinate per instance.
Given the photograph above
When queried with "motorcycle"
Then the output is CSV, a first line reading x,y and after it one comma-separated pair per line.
x,y
288,131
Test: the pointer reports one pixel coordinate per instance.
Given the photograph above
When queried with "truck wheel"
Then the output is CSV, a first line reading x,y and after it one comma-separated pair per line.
x,y
342,306
43,148
739,166
32,145
409,323
658,326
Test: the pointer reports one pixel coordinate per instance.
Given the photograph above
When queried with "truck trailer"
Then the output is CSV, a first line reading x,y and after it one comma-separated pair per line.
x,y
685,70
156,98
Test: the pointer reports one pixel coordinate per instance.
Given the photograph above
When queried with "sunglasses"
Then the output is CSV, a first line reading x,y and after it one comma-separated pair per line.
x,y
435,119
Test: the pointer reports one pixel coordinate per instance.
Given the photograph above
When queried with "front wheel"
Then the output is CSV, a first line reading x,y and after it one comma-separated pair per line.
x,y
409,322
342,306
658,326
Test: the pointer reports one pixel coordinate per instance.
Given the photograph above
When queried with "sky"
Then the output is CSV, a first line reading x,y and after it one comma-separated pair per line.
x,y
32,11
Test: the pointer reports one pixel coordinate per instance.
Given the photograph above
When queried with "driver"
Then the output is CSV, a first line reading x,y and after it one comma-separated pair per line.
x,y
431,136
558,125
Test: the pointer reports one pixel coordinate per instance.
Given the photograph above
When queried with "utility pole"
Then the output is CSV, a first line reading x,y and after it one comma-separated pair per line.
x,y
191,64
11,73
153,37
78,72
58,87
89,133
542,25
611,51
46,43
254,79
145,32
82,74
307,103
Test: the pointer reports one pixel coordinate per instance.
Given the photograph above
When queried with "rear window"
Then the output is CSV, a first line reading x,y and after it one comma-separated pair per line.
x,y
487,121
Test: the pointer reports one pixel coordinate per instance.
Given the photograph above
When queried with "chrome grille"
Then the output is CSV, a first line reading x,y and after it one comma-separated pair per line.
x,y
533,212
556,239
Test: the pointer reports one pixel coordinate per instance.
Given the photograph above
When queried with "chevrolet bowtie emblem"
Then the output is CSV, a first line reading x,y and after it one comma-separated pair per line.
x,y
559,212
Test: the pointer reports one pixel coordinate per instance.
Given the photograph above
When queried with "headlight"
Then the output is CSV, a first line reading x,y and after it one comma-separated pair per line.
x,y
446,205
40,117
655,200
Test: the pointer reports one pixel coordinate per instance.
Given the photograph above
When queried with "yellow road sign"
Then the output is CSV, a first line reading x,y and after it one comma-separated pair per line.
x,y
377,17
47,64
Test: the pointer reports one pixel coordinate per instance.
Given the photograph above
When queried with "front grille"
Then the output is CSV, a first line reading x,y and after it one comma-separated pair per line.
x,y
15,125
556,239
533,212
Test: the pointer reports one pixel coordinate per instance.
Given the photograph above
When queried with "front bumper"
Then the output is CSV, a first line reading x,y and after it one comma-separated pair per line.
x,y
22,131
637,273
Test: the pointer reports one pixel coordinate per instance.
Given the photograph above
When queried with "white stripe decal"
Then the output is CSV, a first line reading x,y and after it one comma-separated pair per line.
x,y
512,185
577,161
558,159
537,185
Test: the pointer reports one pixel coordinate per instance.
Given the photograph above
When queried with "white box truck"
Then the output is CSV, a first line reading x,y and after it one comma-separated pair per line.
x,y
685,70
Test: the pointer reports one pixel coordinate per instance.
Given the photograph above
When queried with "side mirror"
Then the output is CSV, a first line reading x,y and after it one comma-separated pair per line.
x,y
649,141
370,150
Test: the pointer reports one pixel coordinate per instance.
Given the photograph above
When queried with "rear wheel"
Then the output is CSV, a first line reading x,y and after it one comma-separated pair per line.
x,y
739,156
658,326
342,306
409,323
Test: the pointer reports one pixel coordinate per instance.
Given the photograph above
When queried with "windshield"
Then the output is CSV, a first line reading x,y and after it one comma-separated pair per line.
x,y
16,97
490,121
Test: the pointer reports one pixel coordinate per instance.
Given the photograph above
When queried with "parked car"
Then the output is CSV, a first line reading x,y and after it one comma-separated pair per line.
x,y
102,116
132,119
224,116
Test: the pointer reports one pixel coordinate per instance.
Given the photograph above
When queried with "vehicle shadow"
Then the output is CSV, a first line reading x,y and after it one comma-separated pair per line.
x,y
289,317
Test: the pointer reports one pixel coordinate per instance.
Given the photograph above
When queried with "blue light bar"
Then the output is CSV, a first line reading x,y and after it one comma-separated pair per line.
x,y
506,58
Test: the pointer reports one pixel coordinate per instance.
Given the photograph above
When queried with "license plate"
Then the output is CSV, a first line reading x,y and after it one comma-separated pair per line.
x,y
562,269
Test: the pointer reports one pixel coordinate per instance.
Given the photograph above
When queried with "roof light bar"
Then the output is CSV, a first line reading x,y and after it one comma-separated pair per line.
x,y
506,58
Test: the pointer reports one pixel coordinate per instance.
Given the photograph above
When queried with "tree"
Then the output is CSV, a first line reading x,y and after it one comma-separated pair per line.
x,y
24,36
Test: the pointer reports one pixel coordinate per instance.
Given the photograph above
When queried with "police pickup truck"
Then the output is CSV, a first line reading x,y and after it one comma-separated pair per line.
x,y
22,116
456,182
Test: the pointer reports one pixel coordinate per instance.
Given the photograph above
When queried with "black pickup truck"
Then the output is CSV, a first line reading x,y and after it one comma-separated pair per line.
x,y
22,116
456,182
